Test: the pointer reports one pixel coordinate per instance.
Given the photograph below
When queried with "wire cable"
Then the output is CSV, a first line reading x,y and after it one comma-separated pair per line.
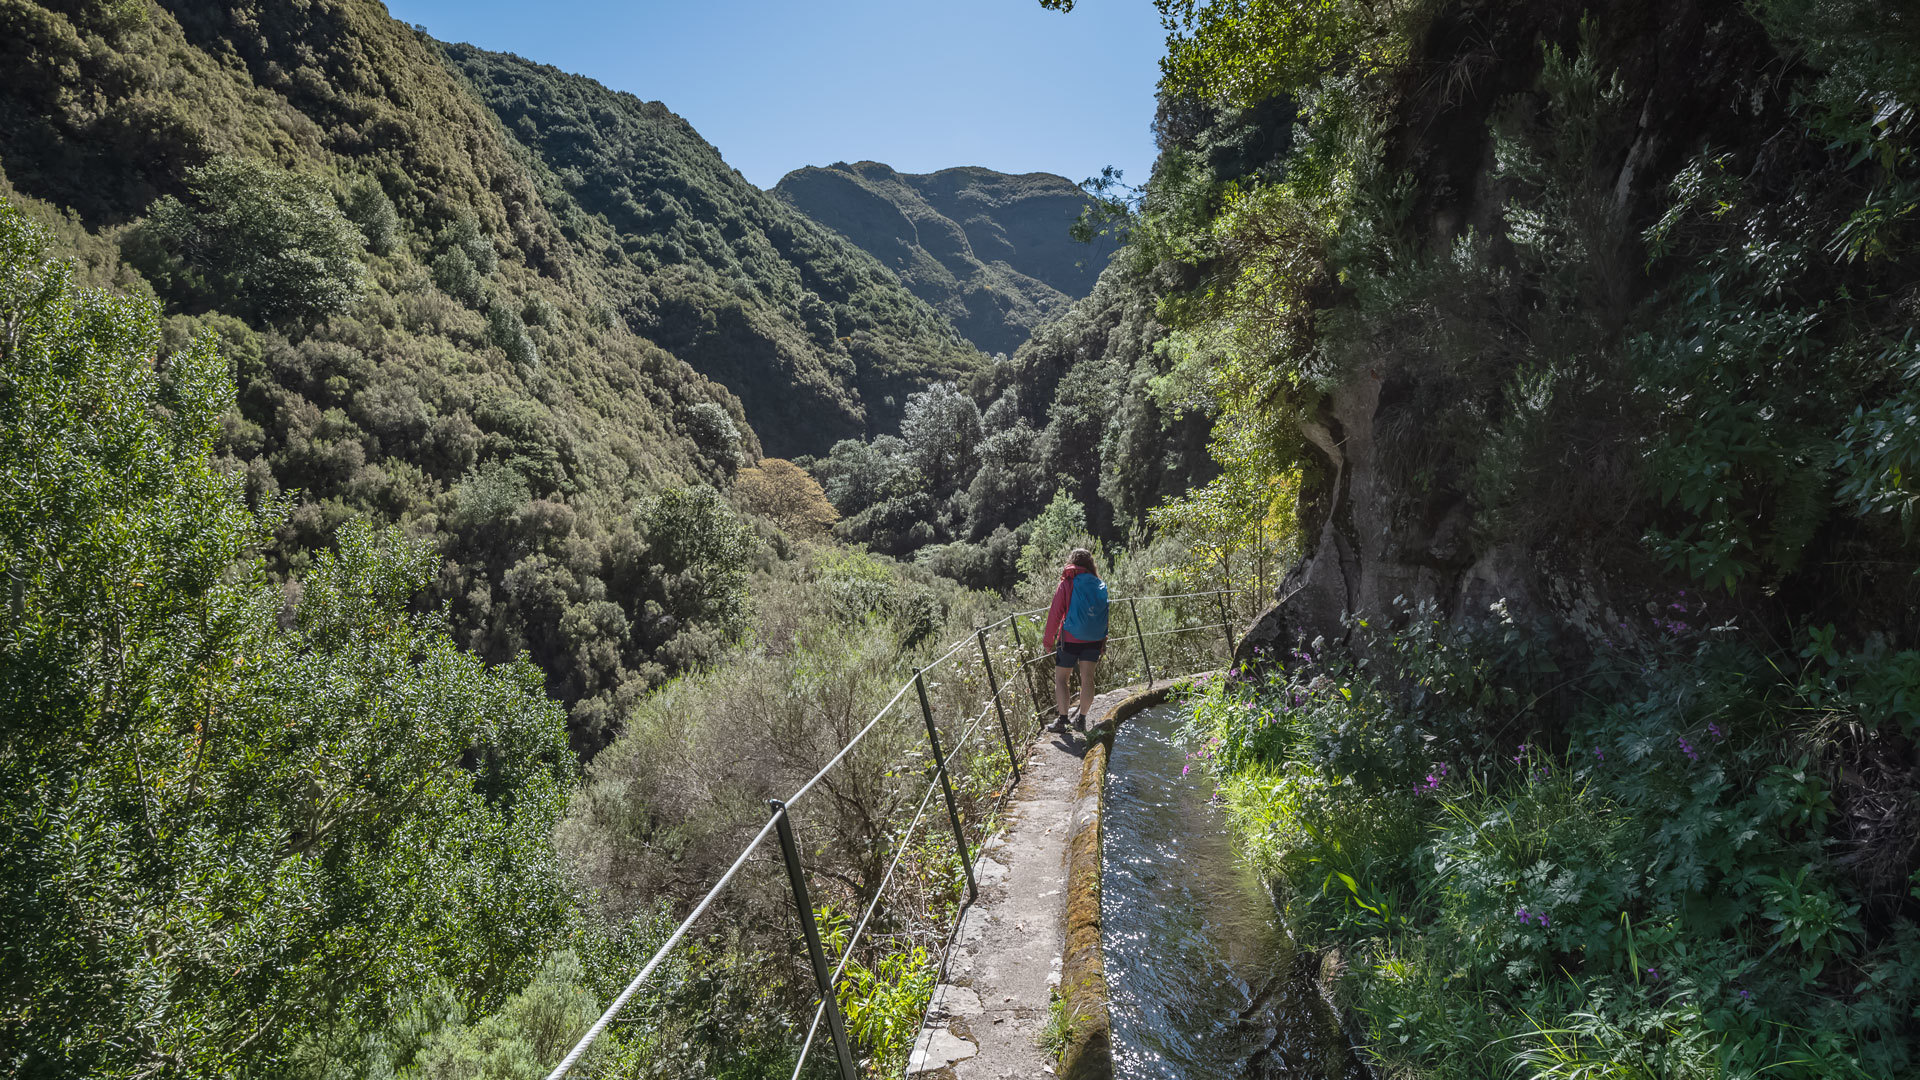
x,y
613,1010
900,852
679,932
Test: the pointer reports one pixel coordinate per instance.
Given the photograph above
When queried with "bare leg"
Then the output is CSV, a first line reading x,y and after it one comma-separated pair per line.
x,y
1060,690
1087,668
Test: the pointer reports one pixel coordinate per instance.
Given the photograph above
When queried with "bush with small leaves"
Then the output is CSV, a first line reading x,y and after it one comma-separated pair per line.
x,y
253,240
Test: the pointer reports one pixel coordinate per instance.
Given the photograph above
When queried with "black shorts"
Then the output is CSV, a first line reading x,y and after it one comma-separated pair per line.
x,y
1078,652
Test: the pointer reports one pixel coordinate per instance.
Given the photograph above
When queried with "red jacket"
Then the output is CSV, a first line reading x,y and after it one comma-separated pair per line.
x,y
1058,612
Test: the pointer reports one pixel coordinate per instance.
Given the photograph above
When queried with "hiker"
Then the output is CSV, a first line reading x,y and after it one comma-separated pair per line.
x,y
1077,623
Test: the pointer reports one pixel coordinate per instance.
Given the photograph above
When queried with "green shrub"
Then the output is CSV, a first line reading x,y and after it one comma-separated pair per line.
x,y
253,240
454,272
372,212
1646,885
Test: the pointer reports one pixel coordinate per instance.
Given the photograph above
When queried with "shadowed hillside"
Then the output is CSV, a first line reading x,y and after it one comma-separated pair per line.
x,y
988,250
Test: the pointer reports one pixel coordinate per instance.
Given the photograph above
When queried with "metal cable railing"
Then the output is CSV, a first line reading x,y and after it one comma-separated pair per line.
x,y
779,821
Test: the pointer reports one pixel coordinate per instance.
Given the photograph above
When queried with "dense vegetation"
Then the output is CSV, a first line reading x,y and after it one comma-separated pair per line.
x,y
1588,732
239,814
263,823
351,498
462,323
368,462
993,253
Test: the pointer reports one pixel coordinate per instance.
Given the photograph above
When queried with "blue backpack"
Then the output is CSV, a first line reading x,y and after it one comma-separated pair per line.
x,y
1086,609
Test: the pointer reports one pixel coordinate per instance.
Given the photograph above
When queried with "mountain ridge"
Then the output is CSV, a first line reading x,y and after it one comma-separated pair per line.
x,y
717,271
990,251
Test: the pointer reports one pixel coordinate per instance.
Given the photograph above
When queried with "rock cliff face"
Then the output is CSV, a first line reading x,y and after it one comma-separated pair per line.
x,y
1398,508
988,250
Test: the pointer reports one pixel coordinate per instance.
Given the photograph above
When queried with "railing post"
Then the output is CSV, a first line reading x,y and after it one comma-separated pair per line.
x,y
821,974
993,684
940,766
1226,625
1134,607
1026,667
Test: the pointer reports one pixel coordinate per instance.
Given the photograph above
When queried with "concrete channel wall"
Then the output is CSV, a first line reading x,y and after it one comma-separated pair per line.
x,y
1083,969
1083,976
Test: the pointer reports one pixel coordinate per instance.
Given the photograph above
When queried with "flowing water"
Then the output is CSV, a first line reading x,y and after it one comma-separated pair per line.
x,y
1204,982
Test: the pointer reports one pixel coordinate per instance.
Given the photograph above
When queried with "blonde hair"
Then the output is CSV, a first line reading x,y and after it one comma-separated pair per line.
x,y
1083,559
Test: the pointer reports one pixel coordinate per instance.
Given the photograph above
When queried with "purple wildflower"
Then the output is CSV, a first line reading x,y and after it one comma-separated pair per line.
x,y
1599,753
1521,914
1520,757
1714,730
1746,995
1543,919
1653,975
1687,749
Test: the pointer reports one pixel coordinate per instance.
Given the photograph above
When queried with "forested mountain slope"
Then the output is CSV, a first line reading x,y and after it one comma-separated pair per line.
x,y
818,340
434,324
990,251
1069,421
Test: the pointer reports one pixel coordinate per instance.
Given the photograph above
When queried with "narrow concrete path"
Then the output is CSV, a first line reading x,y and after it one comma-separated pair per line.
x,y
986,1018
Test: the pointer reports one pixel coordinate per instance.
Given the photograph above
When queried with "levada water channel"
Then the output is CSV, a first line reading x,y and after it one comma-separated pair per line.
x,y
1203,980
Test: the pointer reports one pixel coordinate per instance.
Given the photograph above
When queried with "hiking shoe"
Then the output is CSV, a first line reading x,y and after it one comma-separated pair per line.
x,y
1059,724
1080,720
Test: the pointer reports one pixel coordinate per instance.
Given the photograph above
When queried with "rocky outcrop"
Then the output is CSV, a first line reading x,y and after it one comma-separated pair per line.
x,y
1396,508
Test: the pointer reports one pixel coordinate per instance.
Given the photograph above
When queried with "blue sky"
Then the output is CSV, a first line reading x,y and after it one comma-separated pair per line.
x,y
918,84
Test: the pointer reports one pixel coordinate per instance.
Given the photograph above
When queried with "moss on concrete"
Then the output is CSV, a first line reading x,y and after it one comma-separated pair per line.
x,y
1083,969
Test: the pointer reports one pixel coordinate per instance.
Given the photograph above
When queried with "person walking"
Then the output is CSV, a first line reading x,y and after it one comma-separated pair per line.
x,y
1077,634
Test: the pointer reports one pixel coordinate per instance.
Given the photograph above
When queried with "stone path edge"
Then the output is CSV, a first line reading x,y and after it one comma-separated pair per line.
x,y
1083,970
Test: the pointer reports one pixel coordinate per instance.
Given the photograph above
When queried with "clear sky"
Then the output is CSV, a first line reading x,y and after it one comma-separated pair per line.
x,y
918,84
